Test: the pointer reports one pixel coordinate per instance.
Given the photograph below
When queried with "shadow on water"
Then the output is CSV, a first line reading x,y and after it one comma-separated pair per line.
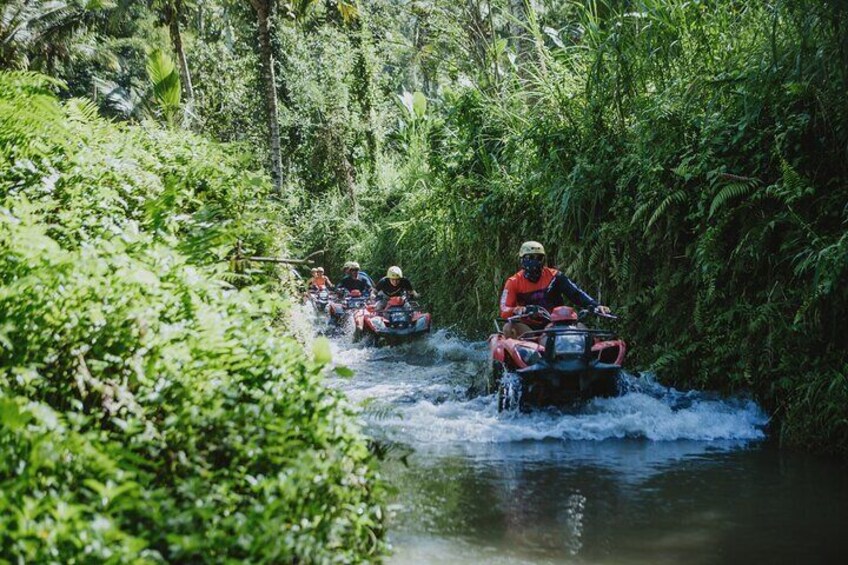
x,y
623,501
654,476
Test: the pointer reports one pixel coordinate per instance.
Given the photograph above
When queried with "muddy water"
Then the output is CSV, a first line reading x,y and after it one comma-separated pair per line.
x,y
654,476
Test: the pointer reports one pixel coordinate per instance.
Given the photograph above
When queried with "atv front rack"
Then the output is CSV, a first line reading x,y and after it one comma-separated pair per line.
x,y
606,334
568,330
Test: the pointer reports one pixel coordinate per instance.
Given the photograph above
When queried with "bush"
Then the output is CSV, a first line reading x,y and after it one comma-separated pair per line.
x,y
149,411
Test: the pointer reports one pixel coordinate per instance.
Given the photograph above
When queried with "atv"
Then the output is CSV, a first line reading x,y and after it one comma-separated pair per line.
x,y
319,298
343,306
562,362
401,320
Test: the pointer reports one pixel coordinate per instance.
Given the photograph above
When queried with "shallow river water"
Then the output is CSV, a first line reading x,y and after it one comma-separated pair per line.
x,y
654,476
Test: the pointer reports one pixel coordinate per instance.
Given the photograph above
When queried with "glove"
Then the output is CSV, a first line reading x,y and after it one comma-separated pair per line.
x,y
518,311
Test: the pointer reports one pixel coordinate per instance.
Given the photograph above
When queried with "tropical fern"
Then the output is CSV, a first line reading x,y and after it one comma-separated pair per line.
x,y
729,192
676,197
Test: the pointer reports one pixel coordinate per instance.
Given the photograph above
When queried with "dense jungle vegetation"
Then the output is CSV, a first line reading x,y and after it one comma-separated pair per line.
x,y
685,160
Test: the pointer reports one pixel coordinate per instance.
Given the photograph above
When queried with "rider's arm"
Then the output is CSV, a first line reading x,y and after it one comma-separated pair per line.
x,y
407,286
509,300
574,293
327,282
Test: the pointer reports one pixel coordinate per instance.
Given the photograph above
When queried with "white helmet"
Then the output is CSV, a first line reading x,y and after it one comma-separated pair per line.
x,y
531,248
394,273
353,265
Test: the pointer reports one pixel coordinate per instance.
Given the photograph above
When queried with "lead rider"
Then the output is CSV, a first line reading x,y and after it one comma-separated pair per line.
x,y
538,285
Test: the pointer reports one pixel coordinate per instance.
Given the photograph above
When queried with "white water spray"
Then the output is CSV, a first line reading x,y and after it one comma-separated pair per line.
x,y
423,394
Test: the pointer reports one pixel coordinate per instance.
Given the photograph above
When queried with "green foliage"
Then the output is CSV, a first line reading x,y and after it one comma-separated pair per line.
x,y
677,157
148,411
165,80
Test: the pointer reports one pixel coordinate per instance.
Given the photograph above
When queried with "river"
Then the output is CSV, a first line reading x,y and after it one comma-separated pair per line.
x,y
653,476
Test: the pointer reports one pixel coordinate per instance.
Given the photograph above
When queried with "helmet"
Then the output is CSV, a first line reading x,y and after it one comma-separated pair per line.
x,y
394,273
353,265
347,265
313,270
319,269
530,248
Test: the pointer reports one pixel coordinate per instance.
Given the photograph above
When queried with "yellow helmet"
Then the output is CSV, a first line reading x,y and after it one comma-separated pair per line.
x,y
530,248
394,273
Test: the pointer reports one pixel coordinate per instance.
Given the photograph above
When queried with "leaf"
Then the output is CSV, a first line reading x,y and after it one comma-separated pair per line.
x,y
166,82
675,197
406,102
11,414
554,36
729,192
343,371
321,351
419,104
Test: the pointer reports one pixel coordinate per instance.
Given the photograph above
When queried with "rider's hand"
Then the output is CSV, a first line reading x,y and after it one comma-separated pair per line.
x,y
600,309
518,310
414,294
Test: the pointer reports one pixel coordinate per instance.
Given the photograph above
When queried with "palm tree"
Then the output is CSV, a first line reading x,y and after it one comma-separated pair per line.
x,y
34,35
171,12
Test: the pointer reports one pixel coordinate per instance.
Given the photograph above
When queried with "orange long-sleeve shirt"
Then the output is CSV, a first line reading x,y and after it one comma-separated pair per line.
x,y
518,291
548,291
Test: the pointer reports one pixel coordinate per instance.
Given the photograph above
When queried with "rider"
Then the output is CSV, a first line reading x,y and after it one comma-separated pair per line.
x,y
352,281
393,284
318,280
362,274
538,285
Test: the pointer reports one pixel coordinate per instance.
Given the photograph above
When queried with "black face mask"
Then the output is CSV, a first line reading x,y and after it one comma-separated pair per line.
x,y
532,269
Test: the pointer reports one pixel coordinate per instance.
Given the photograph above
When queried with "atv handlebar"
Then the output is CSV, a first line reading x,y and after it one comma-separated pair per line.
x,y
542,313
584,313
530,312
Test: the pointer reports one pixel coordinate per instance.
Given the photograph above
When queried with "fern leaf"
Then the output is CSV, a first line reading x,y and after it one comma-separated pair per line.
x,y
729,192
673,198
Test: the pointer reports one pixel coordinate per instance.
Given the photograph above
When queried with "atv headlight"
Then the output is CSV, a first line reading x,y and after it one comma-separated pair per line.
x,y
421,323
529,355
378,323
570,344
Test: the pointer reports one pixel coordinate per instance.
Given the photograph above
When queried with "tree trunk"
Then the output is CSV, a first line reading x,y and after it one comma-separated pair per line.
x,y
177,39
263,16
518,27
364,90
337,151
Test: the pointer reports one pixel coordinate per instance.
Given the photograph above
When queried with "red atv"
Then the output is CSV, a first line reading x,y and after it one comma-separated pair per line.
x,y
557,364
401,320
343,305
